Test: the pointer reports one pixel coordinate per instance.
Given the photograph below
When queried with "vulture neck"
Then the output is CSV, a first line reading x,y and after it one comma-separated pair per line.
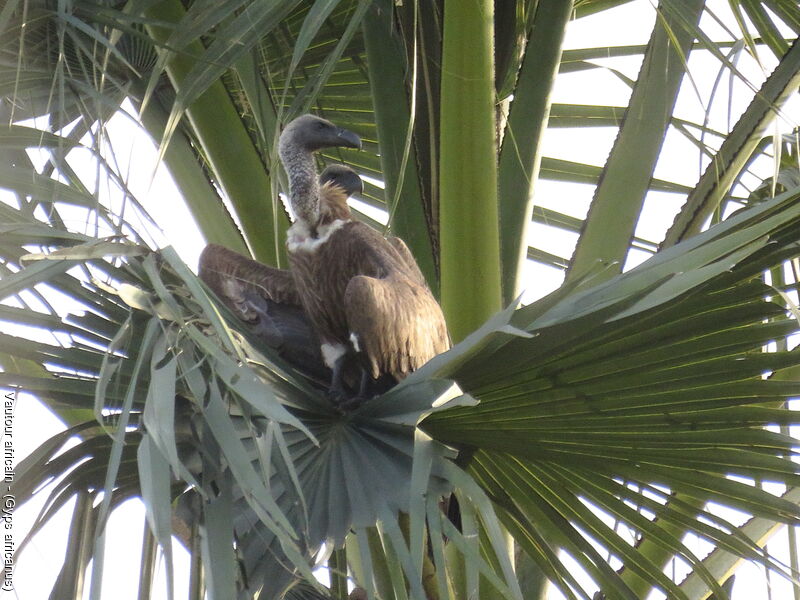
x,y
303,186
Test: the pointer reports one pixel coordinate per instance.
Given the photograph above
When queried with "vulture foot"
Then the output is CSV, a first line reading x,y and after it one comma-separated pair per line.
x,y
344,403
343,395
338,395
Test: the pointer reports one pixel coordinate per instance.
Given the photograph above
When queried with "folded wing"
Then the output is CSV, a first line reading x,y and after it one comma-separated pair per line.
x,y
266,300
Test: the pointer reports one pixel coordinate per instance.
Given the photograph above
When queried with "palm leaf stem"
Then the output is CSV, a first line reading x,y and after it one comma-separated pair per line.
x,y
520,155
470,245
388,75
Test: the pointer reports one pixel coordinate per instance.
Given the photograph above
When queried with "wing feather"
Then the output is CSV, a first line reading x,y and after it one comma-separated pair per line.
x,y
398,324
359,283
266,299
220,266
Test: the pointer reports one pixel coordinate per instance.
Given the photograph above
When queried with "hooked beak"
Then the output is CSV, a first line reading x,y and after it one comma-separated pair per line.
x,y
349,139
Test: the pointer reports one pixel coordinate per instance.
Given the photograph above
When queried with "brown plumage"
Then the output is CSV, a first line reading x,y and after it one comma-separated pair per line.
x,y
265,298
336,184
231,274
358,284
364,294
333,203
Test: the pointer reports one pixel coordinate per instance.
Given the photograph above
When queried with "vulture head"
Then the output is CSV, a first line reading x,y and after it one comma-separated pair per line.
x,y
311,133
344,177
337,183
299,140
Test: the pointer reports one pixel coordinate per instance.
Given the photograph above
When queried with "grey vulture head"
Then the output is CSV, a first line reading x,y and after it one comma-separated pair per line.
x,y
312,133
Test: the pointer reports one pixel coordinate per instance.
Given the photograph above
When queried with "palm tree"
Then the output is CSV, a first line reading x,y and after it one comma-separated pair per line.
x,y
600,423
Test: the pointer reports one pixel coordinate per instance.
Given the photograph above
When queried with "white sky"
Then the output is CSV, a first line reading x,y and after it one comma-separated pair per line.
x,y
37,568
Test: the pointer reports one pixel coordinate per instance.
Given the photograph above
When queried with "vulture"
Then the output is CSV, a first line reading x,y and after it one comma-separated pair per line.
x,y
364,295
265,298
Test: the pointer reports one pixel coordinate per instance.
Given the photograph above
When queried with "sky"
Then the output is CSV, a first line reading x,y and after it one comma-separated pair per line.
x,y
38,567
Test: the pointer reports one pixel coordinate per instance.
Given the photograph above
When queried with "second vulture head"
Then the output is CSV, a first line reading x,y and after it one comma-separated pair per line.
x,y
344,177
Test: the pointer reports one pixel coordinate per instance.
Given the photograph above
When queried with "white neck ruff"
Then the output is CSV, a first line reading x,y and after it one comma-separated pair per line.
x,y
299,236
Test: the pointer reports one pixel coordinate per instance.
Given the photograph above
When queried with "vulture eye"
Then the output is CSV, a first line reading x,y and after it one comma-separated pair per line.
x,y
320,125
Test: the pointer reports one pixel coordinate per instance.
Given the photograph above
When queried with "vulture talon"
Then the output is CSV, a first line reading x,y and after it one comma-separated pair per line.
x,y
352,403
344,403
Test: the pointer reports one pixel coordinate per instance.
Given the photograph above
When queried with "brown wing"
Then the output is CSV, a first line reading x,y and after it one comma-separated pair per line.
x,y
226,271
323,272
266,299
397,323
359,283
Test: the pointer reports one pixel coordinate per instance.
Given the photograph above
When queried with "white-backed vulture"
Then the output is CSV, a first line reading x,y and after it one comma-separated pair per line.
x,y
364,295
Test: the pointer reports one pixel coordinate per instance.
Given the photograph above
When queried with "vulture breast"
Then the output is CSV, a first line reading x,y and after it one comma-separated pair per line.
x,y
359,288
